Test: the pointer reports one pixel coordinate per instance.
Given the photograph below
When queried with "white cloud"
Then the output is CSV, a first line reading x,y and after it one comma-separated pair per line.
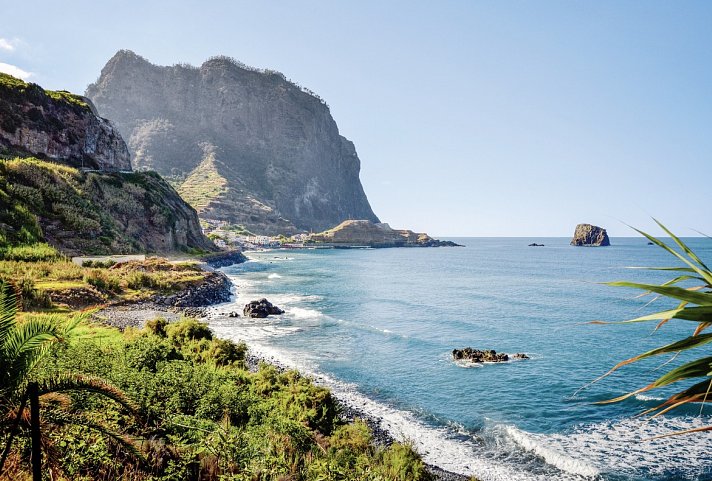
x,y
14,71
7,45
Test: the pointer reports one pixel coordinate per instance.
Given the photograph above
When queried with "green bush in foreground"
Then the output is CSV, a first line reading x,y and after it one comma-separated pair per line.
x,y
208,418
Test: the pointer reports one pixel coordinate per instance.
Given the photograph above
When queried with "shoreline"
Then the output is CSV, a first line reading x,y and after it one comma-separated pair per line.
x,y
136,314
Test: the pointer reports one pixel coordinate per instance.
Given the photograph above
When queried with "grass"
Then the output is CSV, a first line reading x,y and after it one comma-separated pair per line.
x,y
13,84
203,185
135,280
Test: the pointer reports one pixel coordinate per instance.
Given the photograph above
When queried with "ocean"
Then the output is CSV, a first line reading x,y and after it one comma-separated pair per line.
x,y
378,327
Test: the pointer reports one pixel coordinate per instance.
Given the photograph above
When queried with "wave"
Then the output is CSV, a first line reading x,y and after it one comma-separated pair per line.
x,y
274,275
626,447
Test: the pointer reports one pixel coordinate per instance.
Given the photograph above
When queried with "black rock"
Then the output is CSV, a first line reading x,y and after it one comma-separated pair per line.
x,y
261,309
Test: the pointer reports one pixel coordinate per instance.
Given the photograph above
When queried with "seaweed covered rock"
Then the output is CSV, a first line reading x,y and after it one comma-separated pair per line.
x,y
486,355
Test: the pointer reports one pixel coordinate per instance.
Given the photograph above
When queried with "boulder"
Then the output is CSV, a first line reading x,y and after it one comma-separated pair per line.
x,y
534,244
477,355
590,235
261,309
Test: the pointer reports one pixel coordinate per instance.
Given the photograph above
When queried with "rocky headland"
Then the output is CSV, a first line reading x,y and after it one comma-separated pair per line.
x,y
590,236
242,145
77,192
364,233
57,126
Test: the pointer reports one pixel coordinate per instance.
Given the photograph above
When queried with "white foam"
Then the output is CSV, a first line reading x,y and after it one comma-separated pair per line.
x,y
274,275
531,442
626,447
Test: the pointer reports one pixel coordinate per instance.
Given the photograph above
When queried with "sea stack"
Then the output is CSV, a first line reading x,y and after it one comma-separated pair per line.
x,y
590,235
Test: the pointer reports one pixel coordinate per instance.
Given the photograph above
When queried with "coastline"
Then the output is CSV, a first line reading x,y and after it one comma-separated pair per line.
x,y
219,289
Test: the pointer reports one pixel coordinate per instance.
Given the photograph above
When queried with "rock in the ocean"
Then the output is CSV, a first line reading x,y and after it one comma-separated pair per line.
x,y
534,244
261,309
487,355
590,235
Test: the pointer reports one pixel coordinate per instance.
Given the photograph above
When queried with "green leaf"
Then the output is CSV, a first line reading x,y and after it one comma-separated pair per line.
x,y
701,298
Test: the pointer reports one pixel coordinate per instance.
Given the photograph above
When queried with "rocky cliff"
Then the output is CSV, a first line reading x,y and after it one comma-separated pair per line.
x,y
246,146
57,126
590,235
367,233
101,209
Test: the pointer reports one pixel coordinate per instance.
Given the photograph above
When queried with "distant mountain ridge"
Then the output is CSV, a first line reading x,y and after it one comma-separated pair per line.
x,y
271,145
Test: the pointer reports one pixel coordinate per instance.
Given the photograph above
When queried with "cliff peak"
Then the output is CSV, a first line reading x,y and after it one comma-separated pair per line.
x,y
286,166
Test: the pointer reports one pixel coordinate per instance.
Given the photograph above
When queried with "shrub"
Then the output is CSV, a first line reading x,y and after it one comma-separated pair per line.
x,y
102,281
225,352
157,326
186,330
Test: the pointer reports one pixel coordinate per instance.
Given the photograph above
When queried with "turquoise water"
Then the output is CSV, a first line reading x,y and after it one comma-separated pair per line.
x,y
378,326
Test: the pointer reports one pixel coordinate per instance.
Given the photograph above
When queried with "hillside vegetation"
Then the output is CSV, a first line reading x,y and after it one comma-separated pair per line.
x,y
92,212
202,416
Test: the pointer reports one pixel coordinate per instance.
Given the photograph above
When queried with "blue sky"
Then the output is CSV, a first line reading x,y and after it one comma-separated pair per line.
x,y
470,117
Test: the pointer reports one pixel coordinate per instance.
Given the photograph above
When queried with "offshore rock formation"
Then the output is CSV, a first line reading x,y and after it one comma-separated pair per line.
x,y
245,146
590,235
367,233
57,126
487,355
261,309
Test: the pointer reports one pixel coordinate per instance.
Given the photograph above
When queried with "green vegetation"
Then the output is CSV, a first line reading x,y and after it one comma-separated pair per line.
x,y
203,416
92,213
203,185
10,84
692,290
45,284
23,346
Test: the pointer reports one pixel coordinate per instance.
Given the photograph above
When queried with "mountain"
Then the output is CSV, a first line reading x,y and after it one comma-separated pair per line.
x,y
246,146
102,208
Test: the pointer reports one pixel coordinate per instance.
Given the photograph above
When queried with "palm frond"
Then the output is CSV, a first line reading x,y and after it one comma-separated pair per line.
x,y
695,305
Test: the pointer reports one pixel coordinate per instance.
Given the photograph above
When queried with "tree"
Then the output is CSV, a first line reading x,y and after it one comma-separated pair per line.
x,y
22,347
694,307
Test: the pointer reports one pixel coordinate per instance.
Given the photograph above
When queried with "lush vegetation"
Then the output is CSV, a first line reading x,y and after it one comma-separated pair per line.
x,y
48,284
691,288
92,213
201,416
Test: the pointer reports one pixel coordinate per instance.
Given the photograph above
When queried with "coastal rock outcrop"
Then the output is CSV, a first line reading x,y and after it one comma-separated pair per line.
x,y
370,234
590,235
261,309
243,145
487,355
214,289
57,126
77,190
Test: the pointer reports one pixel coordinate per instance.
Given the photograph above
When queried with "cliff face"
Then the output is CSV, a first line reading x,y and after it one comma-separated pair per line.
x,y
590,235
58,126
108,210
273,147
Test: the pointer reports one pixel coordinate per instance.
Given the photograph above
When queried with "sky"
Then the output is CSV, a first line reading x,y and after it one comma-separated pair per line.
x,y
471,118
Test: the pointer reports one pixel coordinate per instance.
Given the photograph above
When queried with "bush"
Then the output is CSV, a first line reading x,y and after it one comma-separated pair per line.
x,y
102,281
225,352
157,326
186,330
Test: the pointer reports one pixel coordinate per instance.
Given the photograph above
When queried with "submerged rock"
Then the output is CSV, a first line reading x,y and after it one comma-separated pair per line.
x,y
261,309
486,355
590,235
